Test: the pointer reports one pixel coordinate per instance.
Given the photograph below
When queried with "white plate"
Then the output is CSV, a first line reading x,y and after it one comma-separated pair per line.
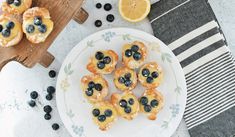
x,y
75,111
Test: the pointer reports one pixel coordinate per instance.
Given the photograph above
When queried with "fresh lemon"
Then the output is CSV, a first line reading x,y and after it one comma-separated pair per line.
x,y
134,10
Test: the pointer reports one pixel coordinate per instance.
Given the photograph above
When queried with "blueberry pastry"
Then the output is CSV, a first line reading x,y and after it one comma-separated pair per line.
x,y
151,102
11,32
126,104
94,87
104,114
16,6
125,79
150,75
134,55
37,24
103,62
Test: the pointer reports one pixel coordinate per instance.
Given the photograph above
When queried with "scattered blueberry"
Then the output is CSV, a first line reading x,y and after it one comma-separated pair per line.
x,y
99,55
52,73
102,118
147,108
98,87
128,83
154,103
32,103
98,23
145,72
6,32
128,53
89,92
47,109
127,76
154,74
55,126
127,109
47,116
131,101
110,18
91,84
121,80
108,113
149,80
96,112
34,94
100,65
37,20
107,60
42,28
137,56
30,28
1,28
49,97
123,103
9,1
134,48
107,7
10,25
17,3
144,100
98,5
51,90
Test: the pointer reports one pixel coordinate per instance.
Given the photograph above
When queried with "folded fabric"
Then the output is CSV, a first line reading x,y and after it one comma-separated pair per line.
x,y
190,29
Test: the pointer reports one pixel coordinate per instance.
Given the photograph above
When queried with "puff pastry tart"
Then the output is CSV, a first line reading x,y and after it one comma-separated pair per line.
x,y
151,103
37,24
126,104
125,79
103,62
150,75
11,32
133,55
16,6
104,114
95,87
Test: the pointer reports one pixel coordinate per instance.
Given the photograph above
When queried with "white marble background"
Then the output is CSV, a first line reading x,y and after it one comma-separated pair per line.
x,y
16,81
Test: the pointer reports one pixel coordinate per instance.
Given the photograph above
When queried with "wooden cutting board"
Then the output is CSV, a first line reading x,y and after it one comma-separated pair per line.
x,y
28,54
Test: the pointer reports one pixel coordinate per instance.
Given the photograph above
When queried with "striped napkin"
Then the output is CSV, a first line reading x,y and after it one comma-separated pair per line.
x,y
190,29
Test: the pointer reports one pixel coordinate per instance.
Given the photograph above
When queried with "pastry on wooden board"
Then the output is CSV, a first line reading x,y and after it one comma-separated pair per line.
x,y
16,6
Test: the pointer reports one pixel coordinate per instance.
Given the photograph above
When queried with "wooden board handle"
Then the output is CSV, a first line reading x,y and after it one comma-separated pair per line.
x,y
80,16
47,59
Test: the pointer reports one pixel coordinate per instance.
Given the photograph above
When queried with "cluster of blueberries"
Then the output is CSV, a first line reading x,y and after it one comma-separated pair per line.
x,y
37,22
102,117
92,85
15,2
126,80
124,104
148,105
109,18
6,32
47,109
149,77
133,52
102,60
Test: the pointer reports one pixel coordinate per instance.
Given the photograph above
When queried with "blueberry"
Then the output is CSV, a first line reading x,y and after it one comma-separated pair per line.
x,y
42,28
52,73
110,18
32,103
96,112
131,101
128,53
123,103
154,103
100,65
98,23
51,90
98,87
102,118
144,100
55,126
6,32
99,55
107,60
127,109
34,95
154,74
145,72
10,25
147,108
91,84
107,7
9,1
89,92
47,116
137,56
47,109
1,28
121,80
108,113
17,3
30,28
98,5
149,80
37,20
49,97
127,76
128,83
134,48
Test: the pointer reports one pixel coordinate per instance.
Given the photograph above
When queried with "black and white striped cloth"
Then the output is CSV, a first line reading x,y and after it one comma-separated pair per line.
x,y
191,31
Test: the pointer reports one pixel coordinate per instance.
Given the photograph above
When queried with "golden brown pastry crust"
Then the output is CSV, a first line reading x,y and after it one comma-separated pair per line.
x,y
152,66
129,61
120,72
12,9
97,95
109,68
115,99
152,94
102,106
28,17
16,33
